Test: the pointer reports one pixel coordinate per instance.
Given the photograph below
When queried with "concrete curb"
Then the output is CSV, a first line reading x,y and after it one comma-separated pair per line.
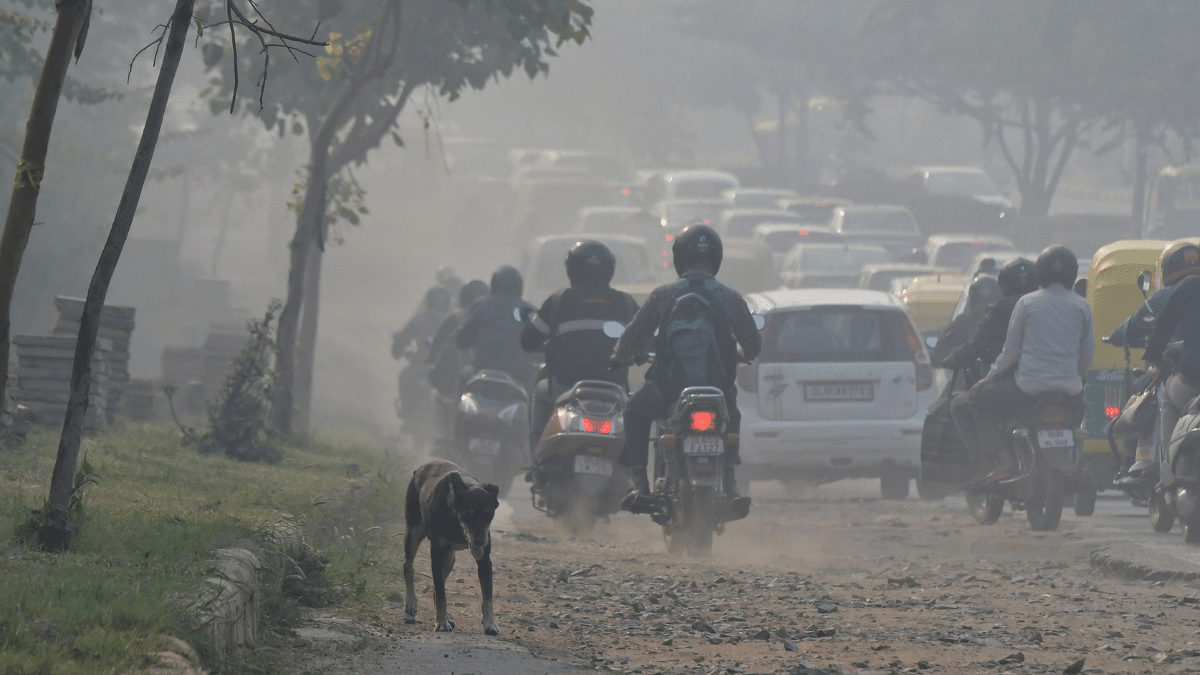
x,y
1138,565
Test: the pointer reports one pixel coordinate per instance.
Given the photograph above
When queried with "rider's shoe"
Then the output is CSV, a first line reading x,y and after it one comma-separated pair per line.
x,y
639,500
1139,468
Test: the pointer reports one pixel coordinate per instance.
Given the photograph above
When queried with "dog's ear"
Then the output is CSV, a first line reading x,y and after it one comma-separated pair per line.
x,y
457,486
493,490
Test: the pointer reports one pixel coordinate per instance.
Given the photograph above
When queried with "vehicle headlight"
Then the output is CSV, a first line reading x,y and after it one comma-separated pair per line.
x,y
510,413
467,405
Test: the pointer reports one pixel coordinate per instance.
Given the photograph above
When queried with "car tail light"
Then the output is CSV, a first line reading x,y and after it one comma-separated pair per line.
x,y
924,371
1111,412
669,237
804,233
703,420
747,378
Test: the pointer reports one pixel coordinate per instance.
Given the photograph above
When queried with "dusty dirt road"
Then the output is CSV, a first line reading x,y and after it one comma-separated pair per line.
x,y
830,580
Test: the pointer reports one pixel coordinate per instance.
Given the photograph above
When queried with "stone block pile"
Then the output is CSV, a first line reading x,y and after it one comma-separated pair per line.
x,y
116,326
44,379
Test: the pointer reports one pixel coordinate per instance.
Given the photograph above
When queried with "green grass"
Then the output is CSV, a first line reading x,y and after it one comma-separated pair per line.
x,y
148,527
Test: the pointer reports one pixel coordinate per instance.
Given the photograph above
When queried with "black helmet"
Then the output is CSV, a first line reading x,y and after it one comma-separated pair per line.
x,y
437,299
697,243
590,262
983,292
1017,277
508,280
1056,265
1180,259
470,292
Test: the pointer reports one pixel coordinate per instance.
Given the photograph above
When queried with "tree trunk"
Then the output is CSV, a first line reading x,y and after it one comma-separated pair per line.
x,y
781,139
22,207
802,177
1138,209
307,344
56,533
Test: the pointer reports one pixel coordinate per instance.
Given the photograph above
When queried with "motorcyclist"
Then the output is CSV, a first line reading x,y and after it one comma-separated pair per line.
x,y
412,343
448,279
1049,347
976,356
1178,261
1182,313
697,254
569,328
981,293
447,360
492,329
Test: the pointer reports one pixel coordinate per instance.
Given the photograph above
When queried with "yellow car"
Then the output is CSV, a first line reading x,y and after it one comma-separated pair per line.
x,y
1114,293
931,298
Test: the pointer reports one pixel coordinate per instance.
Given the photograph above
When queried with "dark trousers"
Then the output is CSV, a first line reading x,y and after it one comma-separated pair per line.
x,y
545,394
647,406
981,414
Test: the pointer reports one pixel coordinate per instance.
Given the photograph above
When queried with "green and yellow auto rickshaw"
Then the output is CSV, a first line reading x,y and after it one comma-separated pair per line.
x,y
1114,292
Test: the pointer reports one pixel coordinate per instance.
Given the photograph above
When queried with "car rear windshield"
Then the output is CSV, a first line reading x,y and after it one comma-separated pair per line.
x,y
844,261
743,225
835,334
958,255
784,240
879,221
817,213
702,188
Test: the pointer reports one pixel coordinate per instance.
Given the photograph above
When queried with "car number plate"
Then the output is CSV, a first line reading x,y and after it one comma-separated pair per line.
x,y
598,466
484,446
703,445
839,391
1056,438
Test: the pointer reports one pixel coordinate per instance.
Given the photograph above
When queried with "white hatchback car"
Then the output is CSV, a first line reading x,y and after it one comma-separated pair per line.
x,y
840,390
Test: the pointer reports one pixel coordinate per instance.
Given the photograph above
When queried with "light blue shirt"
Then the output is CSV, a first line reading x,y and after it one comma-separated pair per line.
x,y
1049,342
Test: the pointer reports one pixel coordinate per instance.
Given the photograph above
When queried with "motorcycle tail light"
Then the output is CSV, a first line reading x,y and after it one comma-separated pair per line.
x,y
606,427
589,425
1111,412
592,426
703,420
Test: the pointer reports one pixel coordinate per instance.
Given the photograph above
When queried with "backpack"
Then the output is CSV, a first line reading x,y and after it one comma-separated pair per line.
x,y
692,342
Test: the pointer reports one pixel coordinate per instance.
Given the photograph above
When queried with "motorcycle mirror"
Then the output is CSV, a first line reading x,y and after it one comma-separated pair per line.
x,y
523,314
931,341
613,329
1144,280
759,321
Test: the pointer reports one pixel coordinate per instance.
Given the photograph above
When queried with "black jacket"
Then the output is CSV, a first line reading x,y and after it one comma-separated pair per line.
x,y
494,336
569,327
1134,331
1181,312
979,352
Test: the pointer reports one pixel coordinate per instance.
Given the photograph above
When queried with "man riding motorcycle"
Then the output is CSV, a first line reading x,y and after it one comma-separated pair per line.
x,y
697,255
1048,347
412,343
569,327
493,333
982,293
446,360
979,352
1182,312
1178,261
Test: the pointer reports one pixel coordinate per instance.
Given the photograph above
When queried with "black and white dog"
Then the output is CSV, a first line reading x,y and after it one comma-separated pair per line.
x,y
454,511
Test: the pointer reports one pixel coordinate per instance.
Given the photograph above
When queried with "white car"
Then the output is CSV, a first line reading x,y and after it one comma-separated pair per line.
x,y
960,180
840,390
544,265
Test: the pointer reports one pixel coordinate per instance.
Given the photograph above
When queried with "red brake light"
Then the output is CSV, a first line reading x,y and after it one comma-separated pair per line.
x,y
804,232
821,205
1111,412
705,221
669,237
625,191
704,421
606,427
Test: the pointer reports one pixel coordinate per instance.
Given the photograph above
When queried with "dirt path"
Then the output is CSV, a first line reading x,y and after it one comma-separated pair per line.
x,y
830,580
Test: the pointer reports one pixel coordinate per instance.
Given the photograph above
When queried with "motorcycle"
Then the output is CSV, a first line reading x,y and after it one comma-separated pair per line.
x,y
688,499
1046,444
1177,495
575,474
490,429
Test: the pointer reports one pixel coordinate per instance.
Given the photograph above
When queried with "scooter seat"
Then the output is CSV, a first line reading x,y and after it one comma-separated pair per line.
x,y
594,390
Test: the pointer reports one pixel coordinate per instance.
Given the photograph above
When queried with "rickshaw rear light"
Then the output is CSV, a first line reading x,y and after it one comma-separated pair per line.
x,y
703,420
1112,412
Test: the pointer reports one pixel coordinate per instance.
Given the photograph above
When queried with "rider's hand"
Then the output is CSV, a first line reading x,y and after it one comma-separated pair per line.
x,y
614,364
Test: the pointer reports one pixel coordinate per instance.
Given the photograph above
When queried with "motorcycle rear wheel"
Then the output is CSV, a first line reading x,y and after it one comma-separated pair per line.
x,y
703,519
1162,516
580,516
1044,511
1085,502
985,506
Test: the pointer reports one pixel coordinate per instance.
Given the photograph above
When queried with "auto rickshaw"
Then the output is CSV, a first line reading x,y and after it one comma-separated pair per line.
x,y
931,299
1114,293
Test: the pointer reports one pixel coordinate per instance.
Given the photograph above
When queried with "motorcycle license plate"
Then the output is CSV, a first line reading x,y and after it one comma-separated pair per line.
x,y
703,445
598,466
484,446
1056,438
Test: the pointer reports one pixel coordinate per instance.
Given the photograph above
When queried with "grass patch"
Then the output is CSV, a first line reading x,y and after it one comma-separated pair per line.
x,y
148,528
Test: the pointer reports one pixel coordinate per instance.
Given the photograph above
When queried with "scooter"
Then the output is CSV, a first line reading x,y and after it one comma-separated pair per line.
x,y
1046,444
575,474
1177,494
490,430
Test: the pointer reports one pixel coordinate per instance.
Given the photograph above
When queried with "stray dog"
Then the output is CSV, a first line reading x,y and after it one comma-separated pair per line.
x,y
454,511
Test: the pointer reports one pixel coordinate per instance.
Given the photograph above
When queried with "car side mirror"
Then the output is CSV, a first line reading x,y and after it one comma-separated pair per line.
x,y
1144,281
613,329
759,321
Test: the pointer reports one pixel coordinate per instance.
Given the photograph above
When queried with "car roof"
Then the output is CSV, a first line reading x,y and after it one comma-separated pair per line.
x,y
770,301
602,238
742,211
897,267
768,228
591,210
874,207
699,174
955,238
948,168
840,247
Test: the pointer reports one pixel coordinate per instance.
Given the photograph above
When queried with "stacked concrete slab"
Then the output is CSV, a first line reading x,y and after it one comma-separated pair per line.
x,y
116,326
8,400
225,342
44,379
